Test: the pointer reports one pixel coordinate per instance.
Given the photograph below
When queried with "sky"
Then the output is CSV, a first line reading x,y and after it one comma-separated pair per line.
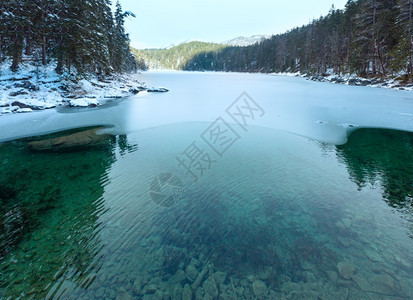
x,y
161,23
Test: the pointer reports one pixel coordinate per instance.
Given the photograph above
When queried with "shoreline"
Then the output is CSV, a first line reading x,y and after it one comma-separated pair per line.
x,y
37,88
388,83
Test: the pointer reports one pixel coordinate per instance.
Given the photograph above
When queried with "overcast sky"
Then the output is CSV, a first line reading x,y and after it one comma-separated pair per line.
x,y
160,23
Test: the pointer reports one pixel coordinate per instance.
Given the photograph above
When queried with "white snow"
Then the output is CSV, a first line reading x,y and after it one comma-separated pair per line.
x,y
348,78
41,87
84,102
24,110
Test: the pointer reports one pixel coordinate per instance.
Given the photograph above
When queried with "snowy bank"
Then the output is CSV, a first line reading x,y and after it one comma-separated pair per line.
x,y
37,88
354,80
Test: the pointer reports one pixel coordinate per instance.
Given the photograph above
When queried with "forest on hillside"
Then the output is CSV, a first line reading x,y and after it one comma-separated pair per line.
x,y
369,38
174,58
78,35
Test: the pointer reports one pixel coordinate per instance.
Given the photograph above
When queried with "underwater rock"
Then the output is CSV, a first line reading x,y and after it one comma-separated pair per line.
x,y
195,262
384,283
191,272
343,241
265,273
158,295
163,286
332,276
123,295
344,283
346,222
199,294
155,280
150,289
290,287
244,282
398,257
306,265
177,290
207,297
373,255
179,277
259,289
137,286
283,278
70,142
220,277
361,282
309,276
346,269
100,293
210,287
187,292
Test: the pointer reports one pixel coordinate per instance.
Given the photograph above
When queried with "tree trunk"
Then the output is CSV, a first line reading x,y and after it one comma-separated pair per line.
x,y
410,36
1,48
44,60
28,49
379,54
373,34
17,52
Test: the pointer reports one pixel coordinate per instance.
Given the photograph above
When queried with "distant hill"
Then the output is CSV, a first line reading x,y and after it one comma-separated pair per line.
x,y
246,41
176,57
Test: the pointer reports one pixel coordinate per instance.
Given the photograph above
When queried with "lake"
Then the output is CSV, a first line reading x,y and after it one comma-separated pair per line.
x,y
230,186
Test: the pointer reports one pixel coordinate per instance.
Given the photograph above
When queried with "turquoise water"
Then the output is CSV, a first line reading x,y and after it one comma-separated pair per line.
x,y
276,216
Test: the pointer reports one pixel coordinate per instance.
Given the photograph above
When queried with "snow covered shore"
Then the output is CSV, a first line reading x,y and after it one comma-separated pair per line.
x,y
353,80
37,88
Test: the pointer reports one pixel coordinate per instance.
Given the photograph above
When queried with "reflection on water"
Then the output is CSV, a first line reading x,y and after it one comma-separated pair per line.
x,y
277,216
50,208
382,155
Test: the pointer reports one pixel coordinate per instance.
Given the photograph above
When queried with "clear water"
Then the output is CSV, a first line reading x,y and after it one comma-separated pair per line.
x,y
277,215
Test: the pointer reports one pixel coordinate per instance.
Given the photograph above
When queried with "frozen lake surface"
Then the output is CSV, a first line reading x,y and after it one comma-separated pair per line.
x,y
322,111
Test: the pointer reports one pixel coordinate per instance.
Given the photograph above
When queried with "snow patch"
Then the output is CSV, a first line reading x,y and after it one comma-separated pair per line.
x,y
84,102
37,88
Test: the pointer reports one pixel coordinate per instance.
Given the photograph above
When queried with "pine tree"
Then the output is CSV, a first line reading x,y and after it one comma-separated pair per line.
x,y
405,46
121,58
76,33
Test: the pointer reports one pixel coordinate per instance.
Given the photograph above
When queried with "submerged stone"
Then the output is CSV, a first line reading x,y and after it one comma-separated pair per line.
x,y
220,277
177,290
150,288
259,289
361,282
289,287
187,292
179,277
123,295
384,283
373,255
69,142
191,272
346,269
332,276
210,287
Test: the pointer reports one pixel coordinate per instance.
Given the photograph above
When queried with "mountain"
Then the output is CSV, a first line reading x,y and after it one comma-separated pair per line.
x,y
246,41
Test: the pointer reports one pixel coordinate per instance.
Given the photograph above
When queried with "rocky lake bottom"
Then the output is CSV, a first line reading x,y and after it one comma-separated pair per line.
x,y
278,216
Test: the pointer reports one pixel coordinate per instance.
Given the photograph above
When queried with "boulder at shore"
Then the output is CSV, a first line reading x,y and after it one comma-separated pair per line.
x,y
70,142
